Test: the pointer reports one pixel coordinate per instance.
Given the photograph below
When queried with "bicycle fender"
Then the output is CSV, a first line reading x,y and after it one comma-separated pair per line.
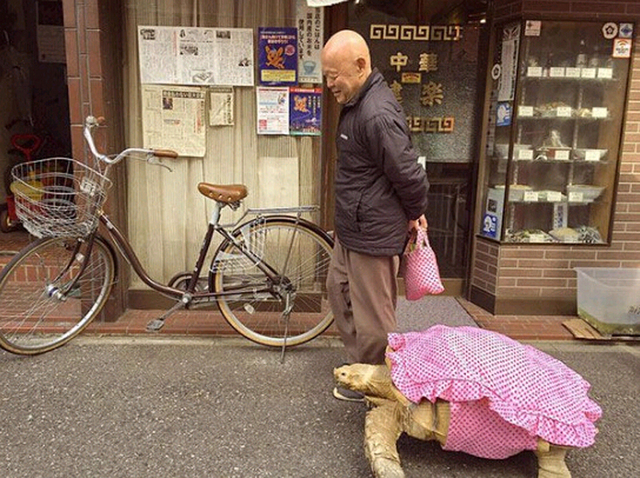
x,y
292,220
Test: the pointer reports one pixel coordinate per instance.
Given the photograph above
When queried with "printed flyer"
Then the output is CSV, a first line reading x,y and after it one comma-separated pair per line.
x,y
310,23
305,106
273,110
278,56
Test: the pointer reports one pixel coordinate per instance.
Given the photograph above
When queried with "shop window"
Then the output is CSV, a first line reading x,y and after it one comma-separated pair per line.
x,y
555,121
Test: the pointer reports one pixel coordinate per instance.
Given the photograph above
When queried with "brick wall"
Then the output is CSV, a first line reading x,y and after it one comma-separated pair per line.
x,y
93,42
93,45
542,278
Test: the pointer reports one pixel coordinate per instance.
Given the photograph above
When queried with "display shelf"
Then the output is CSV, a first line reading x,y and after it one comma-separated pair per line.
x,y
554,143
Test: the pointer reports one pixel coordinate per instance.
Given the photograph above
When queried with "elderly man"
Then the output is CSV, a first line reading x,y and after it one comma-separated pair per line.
x,y
381,192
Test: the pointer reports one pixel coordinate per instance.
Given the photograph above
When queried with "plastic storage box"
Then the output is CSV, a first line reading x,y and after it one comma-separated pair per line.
x,y
609,299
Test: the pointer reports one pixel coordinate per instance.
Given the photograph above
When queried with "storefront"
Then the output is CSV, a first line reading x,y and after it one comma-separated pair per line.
x,y
150,68
559,179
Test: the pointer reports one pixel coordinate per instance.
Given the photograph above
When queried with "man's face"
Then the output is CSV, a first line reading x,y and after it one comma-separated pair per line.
x,y
344,79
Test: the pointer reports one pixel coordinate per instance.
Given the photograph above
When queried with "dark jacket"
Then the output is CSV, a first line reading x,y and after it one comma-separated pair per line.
x,y
379,184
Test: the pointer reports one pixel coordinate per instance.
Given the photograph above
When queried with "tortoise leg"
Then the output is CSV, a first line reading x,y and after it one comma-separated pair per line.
x,y
551,462
381,431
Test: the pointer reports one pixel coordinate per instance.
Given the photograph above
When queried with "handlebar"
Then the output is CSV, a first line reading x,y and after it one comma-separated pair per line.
x,y
92,122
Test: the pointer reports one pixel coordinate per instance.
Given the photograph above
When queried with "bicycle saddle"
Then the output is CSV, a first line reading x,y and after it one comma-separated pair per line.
x,y
223,193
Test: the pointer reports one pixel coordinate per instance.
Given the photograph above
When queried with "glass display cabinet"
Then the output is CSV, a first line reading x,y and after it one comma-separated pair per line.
x,y
555,122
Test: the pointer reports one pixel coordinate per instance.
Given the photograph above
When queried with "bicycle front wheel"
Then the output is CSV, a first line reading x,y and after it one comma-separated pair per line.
x,y
47,297
299,253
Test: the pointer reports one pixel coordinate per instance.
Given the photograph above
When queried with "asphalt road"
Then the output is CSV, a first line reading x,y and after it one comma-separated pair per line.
x,y
173,407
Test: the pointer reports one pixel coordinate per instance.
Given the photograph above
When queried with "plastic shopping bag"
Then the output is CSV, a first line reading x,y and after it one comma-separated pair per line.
x,y
421,275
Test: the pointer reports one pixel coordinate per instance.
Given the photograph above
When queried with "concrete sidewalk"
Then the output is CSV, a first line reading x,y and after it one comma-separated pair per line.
x,y
222,407
211,323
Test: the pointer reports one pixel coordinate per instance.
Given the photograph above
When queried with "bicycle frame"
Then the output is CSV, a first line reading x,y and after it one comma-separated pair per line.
x,y
191,295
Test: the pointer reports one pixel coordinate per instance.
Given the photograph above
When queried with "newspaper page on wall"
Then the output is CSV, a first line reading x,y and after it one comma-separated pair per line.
x,y
221,106
173,118
196,56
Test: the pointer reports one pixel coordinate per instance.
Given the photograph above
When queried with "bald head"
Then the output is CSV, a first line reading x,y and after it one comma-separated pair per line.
x,y
346,64
348,45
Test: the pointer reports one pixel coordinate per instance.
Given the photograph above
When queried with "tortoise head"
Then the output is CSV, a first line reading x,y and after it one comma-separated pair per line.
x,y
372,380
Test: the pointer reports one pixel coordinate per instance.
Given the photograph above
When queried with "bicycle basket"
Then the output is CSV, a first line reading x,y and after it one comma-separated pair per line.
x,y
58,196
252,239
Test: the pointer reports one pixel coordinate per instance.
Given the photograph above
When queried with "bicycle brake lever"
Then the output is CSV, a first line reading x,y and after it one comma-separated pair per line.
x,y
151,159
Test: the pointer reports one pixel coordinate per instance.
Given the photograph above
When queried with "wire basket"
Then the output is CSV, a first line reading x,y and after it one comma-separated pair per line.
x,y
58,197
252,238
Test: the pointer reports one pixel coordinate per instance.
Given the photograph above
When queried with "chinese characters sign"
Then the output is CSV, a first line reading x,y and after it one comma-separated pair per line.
x,y
432,71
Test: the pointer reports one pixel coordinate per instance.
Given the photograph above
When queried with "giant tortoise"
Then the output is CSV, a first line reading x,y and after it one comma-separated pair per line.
x,y
497,396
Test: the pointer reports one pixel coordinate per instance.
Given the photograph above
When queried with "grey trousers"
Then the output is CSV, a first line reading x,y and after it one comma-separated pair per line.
x,y
363,295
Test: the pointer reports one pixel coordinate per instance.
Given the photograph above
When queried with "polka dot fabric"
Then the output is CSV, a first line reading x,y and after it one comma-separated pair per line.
x,y
476,429
503,394
421,275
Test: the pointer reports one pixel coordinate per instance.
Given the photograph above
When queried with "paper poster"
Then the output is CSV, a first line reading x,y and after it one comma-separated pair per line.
x,y
273,110
196,56
278,56
509,63
221,106
310,23
173,118
305,106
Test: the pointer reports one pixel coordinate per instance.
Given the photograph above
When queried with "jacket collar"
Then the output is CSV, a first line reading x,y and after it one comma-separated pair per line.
x,y
374,77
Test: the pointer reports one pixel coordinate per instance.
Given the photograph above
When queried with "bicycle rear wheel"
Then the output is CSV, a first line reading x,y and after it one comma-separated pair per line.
x,y
300,253
44,299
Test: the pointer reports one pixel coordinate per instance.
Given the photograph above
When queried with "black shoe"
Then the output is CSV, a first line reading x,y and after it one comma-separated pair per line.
x,y
348,395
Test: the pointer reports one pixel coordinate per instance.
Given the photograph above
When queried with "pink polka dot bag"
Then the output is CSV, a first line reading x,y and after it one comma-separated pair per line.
x,y
421,274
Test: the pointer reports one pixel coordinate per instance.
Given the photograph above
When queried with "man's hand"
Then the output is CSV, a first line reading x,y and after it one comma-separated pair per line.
x,y
421,223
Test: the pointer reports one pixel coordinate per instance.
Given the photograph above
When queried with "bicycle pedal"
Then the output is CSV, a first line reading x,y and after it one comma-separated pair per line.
x,y
155,325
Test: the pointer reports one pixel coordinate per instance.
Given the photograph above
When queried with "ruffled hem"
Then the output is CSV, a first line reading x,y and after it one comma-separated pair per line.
x,y
579,435
579,431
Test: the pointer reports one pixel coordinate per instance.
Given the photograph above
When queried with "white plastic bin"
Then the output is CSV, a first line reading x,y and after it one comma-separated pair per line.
x,y
609,299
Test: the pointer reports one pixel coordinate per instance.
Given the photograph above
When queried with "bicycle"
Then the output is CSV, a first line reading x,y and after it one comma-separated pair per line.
x,y
267,275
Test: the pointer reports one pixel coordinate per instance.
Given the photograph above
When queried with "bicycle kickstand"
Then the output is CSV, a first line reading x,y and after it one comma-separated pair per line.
x,y
286,313
156,324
